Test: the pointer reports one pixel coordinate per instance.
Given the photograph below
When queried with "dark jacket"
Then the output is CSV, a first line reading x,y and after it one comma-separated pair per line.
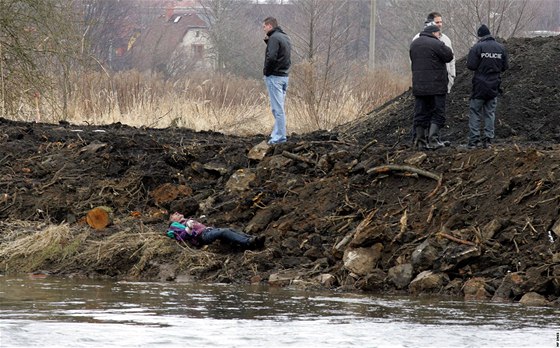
x,y
429,73
277,57
488,59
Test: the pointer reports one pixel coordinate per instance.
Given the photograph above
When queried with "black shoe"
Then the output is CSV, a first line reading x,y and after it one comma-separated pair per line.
x,y
256,242
472,146
487,144
259,242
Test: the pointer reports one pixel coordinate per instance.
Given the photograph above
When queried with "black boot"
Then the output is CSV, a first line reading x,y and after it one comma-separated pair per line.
x,y
433,138
256,243
420,142
487,144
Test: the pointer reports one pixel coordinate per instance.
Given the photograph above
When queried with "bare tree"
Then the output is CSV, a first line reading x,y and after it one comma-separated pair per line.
x,y
327,48
548,16
35,36
232,34
400,20
505,18
103,24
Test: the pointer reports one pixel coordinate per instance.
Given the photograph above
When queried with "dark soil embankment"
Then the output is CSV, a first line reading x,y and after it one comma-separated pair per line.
x,y
339,210
528,110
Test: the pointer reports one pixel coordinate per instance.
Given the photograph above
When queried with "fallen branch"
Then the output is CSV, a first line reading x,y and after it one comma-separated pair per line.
x,y
298,158
538,187
373,142
55,178
436,188
455,239
545,201
400,168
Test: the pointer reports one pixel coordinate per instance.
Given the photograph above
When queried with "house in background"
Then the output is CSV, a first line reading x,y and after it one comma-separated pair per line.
x,y
173,43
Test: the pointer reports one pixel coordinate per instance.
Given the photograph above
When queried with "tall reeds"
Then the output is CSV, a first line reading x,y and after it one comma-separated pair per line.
x,y
224,103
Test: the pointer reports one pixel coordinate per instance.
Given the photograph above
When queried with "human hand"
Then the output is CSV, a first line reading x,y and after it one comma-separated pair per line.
x,y
190,223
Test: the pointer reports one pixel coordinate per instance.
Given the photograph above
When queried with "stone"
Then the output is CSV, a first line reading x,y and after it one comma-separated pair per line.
x,y
255,279
423,256
282,278
262,218
400,275
491,228
258,152
372,281
556,228
326,279
427,281
220,168
534,299
362,260
475,290
240,180
457,254
513,284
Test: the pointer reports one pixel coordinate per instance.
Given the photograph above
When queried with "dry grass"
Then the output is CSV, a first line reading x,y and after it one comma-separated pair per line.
x,y
227,104
223,103
29,247
346,103
126,249
36,248
133,251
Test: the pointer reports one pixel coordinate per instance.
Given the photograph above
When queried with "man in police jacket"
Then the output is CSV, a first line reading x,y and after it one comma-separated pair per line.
x,y
488,59
429,86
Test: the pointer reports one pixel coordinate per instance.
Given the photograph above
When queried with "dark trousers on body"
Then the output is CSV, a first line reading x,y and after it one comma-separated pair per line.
x,y
225,234
429,109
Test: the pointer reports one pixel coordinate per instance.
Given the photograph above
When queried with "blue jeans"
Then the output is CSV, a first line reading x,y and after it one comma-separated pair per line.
x,y
277,87
230,235
485,109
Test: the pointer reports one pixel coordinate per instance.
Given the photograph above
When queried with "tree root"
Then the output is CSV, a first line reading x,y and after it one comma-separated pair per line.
x,y
400,168
395,167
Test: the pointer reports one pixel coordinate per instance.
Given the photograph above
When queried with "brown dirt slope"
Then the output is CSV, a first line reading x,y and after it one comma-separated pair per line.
x,y
481,223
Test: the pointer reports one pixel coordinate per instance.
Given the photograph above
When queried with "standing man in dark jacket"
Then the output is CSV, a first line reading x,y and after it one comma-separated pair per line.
x,y
488,59
429,85
276,67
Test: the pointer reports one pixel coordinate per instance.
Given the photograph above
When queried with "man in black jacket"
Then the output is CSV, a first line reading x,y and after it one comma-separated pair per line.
x,y
488,59
429,85
276,67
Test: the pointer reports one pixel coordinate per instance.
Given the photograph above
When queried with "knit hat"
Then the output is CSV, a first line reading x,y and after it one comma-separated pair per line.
x,y
483,31
430,27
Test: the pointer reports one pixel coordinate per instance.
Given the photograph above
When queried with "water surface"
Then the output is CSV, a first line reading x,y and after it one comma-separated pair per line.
x,y
61,312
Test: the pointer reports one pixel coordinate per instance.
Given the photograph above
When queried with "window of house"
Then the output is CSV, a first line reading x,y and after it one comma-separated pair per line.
x,y
198,51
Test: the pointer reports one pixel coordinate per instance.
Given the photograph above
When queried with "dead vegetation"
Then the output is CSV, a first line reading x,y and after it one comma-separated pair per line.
x,y
34,249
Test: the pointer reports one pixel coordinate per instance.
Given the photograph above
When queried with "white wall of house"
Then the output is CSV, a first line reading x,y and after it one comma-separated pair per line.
x,y
197,43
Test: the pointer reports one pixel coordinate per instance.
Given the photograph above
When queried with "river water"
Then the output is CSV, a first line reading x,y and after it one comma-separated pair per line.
x,y
62,312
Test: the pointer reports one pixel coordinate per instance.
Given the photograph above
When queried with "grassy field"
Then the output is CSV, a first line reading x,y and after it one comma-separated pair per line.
x,y
226,104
